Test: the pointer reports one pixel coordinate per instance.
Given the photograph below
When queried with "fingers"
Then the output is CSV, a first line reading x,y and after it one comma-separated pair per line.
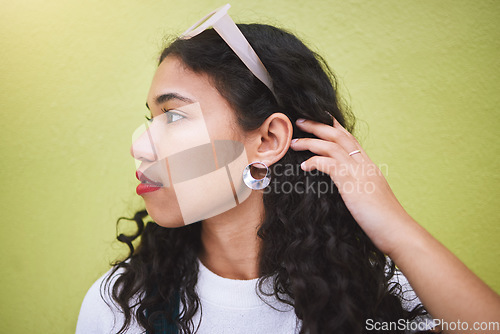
x,y
338,172
320,147
339,126
324,131
323,164
330,134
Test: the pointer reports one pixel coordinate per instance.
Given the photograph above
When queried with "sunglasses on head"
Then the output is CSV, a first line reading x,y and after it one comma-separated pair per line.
x,y
222,23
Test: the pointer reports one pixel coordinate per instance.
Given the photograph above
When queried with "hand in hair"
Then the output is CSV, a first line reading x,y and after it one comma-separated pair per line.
x,y
361,184
447,288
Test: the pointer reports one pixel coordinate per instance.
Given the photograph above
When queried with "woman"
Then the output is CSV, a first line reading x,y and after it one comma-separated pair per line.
x,y
301,248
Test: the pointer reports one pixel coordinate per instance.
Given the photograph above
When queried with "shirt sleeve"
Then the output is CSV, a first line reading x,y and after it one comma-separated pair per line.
x,y
99,314
96,316
409,301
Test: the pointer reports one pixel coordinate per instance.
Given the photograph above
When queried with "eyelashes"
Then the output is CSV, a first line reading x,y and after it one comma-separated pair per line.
x,y
171,116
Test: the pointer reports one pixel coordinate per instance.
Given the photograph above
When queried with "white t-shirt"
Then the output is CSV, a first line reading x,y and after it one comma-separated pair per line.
x,y
229,307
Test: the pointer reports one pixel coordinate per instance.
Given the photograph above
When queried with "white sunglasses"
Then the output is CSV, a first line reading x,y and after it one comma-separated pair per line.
x,y
231,34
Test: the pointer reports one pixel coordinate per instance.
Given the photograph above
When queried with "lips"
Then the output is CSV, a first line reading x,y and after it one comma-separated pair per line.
x,y
141,177
147,185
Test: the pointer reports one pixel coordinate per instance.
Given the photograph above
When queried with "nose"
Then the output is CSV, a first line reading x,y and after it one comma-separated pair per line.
x,y
142,147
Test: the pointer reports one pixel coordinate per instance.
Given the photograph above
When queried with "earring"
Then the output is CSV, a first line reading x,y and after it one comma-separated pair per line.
x,y
252,182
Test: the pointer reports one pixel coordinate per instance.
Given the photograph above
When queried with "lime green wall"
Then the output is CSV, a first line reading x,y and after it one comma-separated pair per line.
x,y
423,77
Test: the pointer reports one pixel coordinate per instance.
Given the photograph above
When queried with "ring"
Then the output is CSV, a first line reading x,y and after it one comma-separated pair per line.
x,y
354,152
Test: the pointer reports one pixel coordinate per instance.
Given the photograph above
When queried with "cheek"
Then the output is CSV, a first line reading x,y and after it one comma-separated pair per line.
x,y
163,208
205,183
206,158
177,137
222,125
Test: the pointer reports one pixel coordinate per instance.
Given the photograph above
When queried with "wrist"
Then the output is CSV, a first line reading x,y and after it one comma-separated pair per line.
x,y
408,241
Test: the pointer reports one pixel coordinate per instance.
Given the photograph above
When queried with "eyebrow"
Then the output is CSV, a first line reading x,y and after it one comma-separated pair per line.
x,y
170,96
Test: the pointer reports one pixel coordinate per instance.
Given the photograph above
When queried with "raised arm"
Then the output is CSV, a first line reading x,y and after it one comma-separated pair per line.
x,y
446,287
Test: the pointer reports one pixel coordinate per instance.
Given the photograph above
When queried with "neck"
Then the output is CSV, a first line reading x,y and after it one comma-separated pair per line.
x,y
230,242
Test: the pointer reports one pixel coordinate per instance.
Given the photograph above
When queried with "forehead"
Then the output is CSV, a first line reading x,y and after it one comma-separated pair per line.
x,y
174,77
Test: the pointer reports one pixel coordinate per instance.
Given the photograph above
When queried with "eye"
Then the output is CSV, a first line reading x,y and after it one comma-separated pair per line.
x,y
150,119
172,115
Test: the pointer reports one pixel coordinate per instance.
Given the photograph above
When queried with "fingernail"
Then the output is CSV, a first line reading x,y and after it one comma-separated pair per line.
x,y
303,165
301,120
294,140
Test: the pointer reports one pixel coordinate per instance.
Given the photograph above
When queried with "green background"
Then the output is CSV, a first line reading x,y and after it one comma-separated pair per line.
x,y
422,76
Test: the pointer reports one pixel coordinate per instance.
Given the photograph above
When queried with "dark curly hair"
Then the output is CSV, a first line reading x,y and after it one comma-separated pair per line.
x,y
318,258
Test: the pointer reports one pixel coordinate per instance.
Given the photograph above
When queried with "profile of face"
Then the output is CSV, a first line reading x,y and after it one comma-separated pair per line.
x,y
191,155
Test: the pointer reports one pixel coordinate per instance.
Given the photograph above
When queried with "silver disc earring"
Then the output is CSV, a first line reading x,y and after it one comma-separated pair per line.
x,y
253,183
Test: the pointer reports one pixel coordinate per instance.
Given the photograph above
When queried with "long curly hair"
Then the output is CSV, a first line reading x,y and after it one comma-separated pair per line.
x,y
315,254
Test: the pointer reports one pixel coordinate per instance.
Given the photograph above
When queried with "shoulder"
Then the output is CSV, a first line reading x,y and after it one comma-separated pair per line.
x,y
99,313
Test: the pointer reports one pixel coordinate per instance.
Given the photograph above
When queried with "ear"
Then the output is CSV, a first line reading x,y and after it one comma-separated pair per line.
x,y
270,142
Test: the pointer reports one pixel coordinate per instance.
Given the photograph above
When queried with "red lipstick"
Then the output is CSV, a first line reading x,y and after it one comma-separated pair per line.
x,y
146,185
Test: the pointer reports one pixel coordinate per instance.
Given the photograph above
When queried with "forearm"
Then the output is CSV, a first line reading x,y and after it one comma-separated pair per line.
x,y
446,287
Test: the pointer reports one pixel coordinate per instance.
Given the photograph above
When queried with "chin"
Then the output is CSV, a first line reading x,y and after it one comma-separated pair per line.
x,y
163,209
165,219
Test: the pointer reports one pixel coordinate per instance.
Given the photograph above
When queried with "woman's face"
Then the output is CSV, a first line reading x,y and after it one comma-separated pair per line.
x,y
191,155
